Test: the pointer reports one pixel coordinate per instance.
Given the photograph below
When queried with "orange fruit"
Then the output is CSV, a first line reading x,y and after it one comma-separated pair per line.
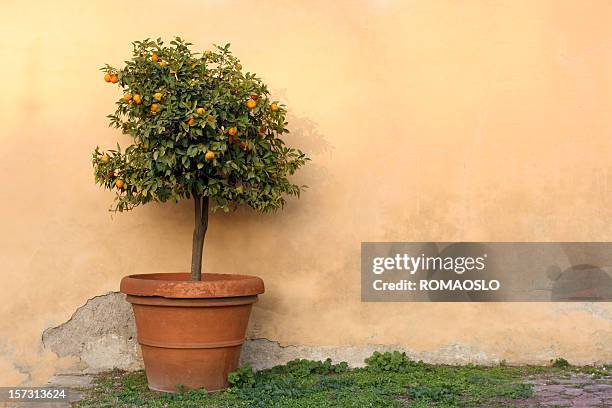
x,y
211,118
119,183
154,58
251,104
127,97
114,79
105,158
200,111
107,77
137,99
274,107
232,131
157,96
154,107
209,155
191,121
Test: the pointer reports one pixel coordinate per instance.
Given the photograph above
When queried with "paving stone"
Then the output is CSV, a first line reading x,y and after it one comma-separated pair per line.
x,y
598,388
71,381
556,388
573,391
556,403
579,390
587,402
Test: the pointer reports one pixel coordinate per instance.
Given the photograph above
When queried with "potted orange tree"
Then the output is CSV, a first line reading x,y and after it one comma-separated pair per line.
x,y
202,130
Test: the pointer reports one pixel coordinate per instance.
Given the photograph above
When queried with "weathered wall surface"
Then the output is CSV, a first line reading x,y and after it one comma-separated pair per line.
x,y
101,335
426,121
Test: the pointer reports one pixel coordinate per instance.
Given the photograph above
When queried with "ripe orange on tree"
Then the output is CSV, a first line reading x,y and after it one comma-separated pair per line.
x,y
274,107
232,131
251,104
114,79
137,99
154,107
127,96
119,183
157,96
191,121
107,77
200,111
209,155
154,57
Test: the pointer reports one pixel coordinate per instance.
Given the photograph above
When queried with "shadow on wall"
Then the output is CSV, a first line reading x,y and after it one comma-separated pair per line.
x,y
304,132
305,135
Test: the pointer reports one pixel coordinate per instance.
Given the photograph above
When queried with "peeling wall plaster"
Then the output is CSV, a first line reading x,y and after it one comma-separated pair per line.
x,y
101,335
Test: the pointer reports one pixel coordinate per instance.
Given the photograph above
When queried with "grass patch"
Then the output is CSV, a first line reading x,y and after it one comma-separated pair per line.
x,y
388,380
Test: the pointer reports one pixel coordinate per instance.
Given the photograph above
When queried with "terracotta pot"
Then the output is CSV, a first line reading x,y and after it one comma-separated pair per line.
x,y
190,332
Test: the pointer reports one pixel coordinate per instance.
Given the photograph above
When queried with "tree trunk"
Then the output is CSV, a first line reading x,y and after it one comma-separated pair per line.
x,y
199,232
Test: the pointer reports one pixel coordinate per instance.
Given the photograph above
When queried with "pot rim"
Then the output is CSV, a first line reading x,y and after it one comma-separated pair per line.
x,y
180,285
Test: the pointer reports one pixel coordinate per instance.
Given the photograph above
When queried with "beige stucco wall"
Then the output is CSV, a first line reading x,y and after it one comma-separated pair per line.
x,y
426,120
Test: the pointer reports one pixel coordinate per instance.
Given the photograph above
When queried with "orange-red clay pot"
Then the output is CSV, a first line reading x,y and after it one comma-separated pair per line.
x,y
190,332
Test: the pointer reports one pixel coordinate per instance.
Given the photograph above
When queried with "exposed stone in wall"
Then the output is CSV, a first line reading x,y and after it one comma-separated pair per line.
x,y
101,333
